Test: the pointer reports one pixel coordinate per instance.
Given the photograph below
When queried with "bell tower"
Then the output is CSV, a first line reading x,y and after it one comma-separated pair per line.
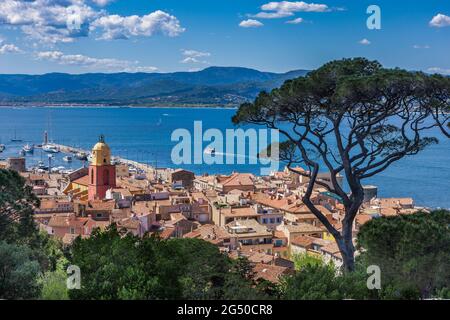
x,y
102,174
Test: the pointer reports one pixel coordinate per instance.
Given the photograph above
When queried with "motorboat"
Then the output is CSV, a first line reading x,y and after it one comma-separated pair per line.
x,y
211,151
50,148
67,159
81,156
28,148
42,166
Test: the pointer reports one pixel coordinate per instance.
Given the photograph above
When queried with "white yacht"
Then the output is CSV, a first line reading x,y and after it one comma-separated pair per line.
x,y
50,148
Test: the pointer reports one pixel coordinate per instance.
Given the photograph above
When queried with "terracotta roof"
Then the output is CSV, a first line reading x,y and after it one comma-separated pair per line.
x,y
302,228
363,218
167,233
129,223
279,234
260,257
209,232
389,211
239,179
239,212
66,221
270,273
302,241
395,202
101,205
82,181
332,249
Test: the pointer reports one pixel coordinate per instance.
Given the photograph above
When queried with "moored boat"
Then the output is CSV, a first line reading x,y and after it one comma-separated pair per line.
x,y
67,159
28,148
50,148
81,156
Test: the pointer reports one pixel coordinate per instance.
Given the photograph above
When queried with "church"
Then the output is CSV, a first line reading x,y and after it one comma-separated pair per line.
x,y
92,183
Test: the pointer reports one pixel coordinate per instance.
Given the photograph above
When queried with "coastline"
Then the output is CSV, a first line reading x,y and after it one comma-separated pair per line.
x,y
125,106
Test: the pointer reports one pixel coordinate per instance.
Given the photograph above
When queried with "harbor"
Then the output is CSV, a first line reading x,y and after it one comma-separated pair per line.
x,y
53,157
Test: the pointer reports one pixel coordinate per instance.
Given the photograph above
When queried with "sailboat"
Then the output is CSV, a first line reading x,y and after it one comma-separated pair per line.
x,y
15,139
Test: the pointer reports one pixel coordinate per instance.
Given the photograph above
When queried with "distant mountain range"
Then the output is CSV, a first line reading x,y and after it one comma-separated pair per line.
x,y
214,86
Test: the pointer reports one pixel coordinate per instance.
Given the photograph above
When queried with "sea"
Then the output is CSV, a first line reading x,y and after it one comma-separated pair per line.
x,y
145,135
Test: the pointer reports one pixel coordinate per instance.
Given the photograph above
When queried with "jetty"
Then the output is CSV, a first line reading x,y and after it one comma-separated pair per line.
x,y
148,169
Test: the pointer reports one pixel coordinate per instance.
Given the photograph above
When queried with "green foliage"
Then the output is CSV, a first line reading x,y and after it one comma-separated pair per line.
x,y
413,252
312,282
303,259
19,272
16,208
118,266
240,283
54,286
317,280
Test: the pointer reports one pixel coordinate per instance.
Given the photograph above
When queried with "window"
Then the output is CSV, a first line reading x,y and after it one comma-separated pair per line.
x,y
106,177
279,220
264,220
92,176
72,230
272,220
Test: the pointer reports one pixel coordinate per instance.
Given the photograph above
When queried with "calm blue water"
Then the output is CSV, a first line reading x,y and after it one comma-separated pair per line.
x,y
144,134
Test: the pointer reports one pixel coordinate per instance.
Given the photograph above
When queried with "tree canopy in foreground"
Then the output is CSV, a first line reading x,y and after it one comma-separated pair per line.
x,y
353,118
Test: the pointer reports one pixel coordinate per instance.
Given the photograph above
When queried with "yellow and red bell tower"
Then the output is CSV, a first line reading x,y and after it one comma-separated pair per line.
x,y
102,174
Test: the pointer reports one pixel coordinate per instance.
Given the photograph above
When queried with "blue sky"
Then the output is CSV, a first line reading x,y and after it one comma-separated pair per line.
x,y
79,36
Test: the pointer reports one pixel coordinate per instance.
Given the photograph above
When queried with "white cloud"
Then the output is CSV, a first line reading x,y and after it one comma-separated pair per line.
x,y
283,9
417,46
295,21
102,3
48,20
118,27
272,15
287,8
64,20
103,64
195,53
9,48
191,56
440,20
250,23
439,70
364,42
